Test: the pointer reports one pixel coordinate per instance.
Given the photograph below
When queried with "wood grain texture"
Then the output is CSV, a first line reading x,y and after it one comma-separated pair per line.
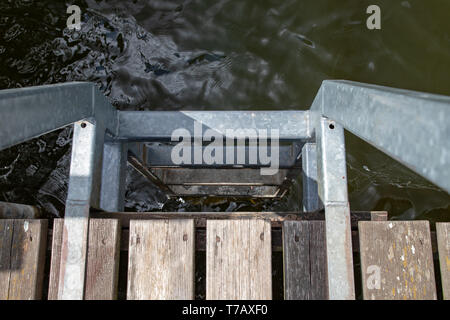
x,y
102,270
55,260
443,240
296,261
238,260
200,218
318,260
102,259
304,260
161,260
378,216
22,258
6,235
396,260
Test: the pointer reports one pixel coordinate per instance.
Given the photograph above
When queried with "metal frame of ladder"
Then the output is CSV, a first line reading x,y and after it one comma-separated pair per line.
x,y
411,127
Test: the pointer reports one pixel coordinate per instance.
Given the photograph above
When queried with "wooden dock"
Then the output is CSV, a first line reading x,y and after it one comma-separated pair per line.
x,y
156,253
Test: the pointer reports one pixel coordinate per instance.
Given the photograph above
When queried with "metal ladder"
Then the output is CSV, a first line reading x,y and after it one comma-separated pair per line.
x,y
411,127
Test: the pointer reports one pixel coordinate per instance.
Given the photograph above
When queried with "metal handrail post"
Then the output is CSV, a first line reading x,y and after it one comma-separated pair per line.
x,y
85,171
332,183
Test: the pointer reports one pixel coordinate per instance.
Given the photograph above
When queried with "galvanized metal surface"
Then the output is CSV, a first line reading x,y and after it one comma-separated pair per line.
x,y
113,176
311,200
412,127
160,125
227,191
341,283
332,181
30,112
156,154
212,176
145,172
76,218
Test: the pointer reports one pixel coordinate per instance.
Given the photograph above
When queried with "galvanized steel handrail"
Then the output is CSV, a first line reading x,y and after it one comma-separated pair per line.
x,y
412,127
26,113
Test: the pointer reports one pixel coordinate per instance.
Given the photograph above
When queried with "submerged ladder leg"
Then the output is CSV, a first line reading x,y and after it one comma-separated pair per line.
x,y
311,201
332,182
113,176
84,191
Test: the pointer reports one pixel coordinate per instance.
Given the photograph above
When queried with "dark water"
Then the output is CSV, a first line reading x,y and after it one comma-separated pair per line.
x,y
223,55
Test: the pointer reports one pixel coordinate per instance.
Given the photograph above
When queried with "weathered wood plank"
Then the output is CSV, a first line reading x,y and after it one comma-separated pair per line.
x,y
161,260
276,218
296,263
102,259
304,255
55,260
6,236
396,260
378,216
238,260
102,270
318,260
443,240
22,254
277,245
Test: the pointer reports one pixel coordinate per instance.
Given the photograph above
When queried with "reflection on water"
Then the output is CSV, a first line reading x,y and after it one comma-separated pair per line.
x,y
223,55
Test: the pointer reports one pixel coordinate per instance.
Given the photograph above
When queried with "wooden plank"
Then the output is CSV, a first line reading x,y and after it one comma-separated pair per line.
x,y
276,218
102,270
304,260
443,240
396,260
161,260
238,260
296,263
378,216
277,245
6,235
318,260
22,253
102,259
55,260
